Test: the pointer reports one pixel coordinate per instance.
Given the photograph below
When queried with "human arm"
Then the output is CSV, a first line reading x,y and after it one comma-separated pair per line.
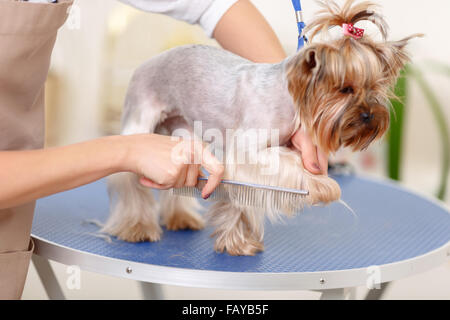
x,y
29,175
244,31
236,24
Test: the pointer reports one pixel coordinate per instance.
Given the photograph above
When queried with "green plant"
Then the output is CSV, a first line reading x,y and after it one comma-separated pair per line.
x,y
395,135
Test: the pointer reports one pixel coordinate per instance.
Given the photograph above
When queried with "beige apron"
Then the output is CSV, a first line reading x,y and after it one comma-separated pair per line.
x,y
27,35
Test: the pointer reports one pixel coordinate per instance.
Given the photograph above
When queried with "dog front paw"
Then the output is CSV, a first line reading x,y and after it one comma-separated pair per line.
x,y
139,233
239,246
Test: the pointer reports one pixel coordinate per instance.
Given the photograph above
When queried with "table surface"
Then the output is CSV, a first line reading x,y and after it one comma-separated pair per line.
x,y
389,225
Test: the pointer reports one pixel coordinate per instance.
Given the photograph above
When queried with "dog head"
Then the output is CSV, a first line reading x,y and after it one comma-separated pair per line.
x,y
342,87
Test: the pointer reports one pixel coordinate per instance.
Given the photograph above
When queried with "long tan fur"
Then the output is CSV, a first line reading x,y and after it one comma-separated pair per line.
x,y
240,229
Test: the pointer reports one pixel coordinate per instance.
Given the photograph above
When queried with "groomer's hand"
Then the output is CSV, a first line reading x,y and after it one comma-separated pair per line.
x,y
165,162
314,159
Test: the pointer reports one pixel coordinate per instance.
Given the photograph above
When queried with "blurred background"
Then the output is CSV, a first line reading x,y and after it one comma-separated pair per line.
x,y
104,41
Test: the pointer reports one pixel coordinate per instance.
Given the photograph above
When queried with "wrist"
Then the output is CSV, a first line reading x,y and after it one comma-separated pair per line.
x,y
128,150
120,152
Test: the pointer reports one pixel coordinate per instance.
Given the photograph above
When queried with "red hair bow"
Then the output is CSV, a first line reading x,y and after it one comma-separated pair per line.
x,y
350,30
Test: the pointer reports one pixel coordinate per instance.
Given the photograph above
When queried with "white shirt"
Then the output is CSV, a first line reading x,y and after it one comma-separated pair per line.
x,y
206,13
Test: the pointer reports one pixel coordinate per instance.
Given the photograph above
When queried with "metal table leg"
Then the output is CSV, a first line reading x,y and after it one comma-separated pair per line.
x,y
151,291
338,294
48,278
376,294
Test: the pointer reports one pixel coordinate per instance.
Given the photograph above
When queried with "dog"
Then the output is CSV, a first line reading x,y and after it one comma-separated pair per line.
x,y
337,90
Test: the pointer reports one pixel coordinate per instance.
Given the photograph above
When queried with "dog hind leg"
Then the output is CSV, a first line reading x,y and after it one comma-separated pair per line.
x,y
178,213
134,214
239,231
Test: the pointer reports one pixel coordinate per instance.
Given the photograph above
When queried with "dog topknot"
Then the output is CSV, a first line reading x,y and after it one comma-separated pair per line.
x,y
332,15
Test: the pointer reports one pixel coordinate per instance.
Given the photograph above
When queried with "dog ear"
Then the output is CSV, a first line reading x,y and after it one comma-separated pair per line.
x,y
310,61
401,44
394,56
301,70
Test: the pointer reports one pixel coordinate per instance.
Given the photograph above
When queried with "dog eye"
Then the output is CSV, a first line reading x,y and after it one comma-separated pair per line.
x,y
347,90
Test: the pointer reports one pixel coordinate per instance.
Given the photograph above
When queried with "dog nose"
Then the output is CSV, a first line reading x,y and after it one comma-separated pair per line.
x,y
366,117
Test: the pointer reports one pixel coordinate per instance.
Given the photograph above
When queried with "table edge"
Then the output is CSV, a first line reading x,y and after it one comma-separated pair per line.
x,y
241,280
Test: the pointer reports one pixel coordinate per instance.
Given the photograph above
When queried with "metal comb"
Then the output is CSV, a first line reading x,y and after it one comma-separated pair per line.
x,y
248,194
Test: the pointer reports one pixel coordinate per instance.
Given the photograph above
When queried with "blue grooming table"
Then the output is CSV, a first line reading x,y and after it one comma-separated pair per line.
x,y
393,233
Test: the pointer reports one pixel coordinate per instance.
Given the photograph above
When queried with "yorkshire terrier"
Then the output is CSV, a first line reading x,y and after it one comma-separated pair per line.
x,y
338,90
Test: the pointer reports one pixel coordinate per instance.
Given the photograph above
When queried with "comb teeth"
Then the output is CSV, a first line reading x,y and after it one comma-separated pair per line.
x,y
249,196
220,193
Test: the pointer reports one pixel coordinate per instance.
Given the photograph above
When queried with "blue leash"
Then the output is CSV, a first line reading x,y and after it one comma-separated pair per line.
x,y
301,25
